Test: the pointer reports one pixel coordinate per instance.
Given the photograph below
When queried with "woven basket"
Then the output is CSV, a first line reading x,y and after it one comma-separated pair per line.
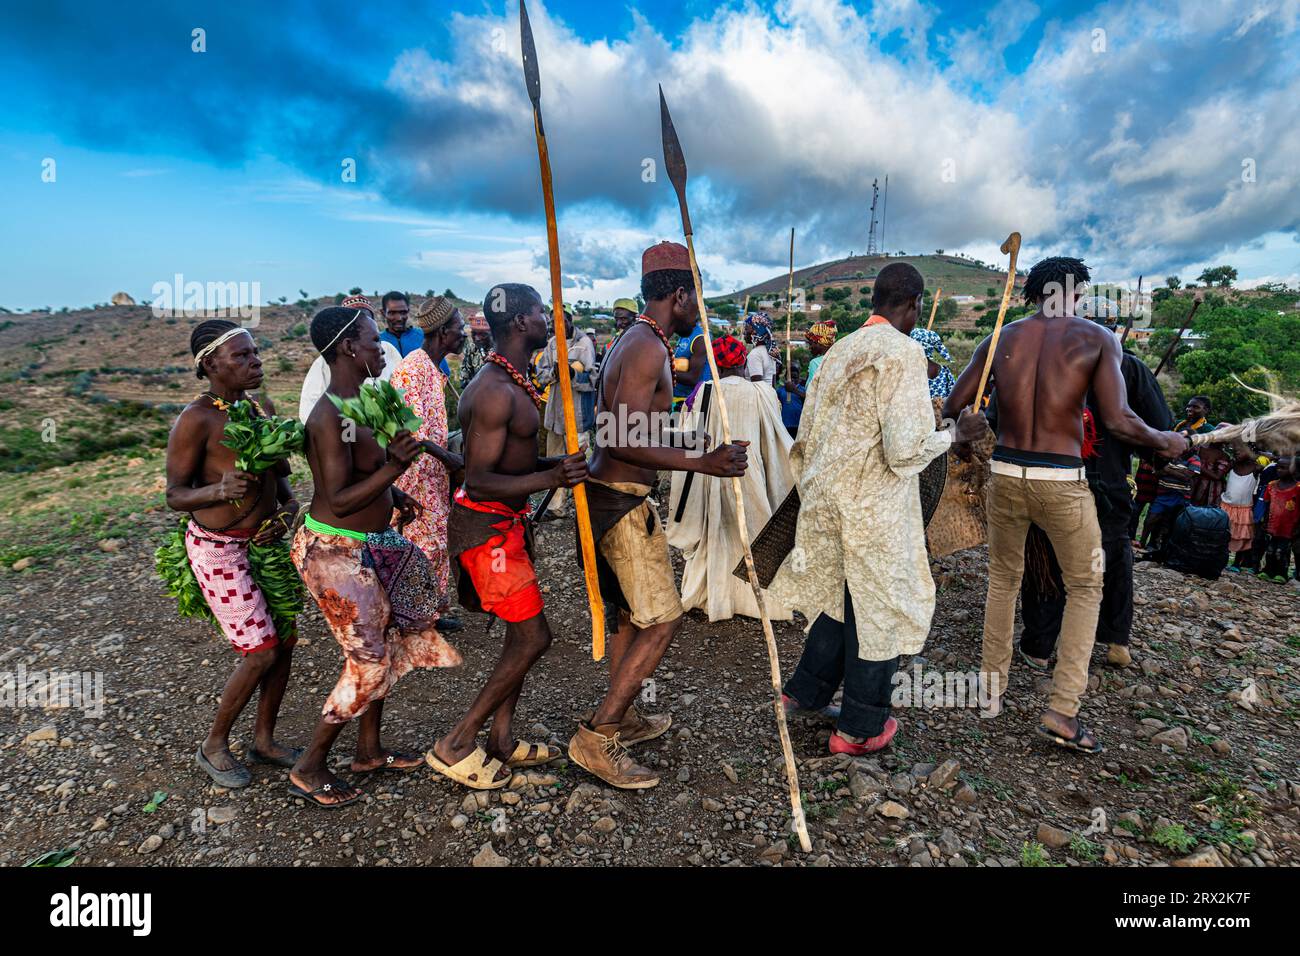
x,y
774,542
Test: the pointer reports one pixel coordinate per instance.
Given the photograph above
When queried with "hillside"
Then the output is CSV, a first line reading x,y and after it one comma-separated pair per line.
x,y
956,276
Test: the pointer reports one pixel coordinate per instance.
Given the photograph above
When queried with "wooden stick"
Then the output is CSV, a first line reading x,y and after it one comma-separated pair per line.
x,y
676,165
1128,322
789,305
934,307
1012,245
586,539
1187,323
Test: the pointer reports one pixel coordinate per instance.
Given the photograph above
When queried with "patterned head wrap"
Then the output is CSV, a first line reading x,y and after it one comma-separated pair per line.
x,y
358,302
941,385
478,322
434,313
823,333
729,352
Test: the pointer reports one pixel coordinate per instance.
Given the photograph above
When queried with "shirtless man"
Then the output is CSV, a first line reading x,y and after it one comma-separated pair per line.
x,y
229,510
488,538
376,589
1044,368
636,387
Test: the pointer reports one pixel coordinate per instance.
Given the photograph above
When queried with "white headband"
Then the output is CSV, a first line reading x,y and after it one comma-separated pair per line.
x,y
341,331
216,343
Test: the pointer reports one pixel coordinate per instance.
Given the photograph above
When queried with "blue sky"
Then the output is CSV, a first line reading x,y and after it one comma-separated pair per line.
x,y
1148,137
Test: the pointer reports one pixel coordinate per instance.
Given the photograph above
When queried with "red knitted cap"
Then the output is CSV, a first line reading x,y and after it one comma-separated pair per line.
x,y
665,255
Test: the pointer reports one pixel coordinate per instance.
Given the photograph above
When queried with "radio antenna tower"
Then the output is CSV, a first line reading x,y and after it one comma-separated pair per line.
x,y
871,236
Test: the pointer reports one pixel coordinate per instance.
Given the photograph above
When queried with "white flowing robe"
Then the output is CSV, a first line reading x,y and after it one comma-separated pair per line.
x,y
866,434
708,532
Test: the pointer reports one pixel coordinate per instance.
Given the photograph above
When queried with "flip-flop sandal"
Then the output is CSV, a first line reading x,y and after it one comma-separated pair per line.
x,y
1072,743
1034,662
289,760
476,771
390,764
540,754
313,796
234,778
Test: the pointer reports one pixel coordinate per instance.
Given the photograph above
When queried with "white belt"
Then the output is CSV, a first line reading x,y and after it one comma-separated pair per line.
x,y
1037,474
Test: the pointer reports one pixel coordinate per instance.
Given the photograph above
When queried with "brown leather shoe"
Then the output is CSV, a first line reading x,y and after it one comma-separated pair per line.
x,y
637,728
607,758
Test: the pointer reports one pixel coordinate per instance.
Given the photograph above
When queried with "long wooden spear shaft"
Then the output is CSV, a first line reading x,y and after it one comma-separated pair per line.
x,y
1012,245
789,305
585,538
934,307
675,162
1187,323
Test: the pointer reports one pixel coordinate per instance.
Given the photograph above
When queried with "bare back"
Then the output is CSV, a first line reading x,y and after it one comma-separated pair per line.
x,y
1043,370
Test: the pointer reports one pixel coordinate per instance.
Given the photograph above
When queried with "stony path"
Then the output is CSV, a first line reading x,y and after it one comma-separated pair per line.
x,y
1201,763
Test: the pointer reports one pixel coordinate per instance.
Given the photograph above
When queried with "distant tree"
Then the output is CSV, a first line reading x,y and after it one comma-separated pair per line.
x,y
355,290
1222,276
990,292
938,252
302,293
429,293
448,294
865,290
1173,282
947,311
864,302
338,298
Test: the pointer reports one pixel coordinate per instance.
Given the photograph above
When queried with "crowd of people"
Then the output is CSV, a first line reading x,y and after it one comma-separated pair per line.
x,y
396,537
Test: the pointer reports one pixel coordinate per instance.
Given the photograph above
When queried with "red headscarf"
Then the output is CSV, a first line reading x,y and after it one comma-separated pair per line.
x,y
729,352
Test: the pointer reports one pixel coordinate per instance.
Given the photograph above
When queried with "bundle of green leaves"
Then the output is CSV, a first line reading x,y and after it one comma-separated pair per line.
x,y
381,407
260,441
271,568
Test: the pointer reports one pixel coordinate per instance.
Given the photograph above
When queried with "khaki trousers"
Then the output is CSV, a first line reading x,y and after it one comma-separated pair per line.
x,y
1066,511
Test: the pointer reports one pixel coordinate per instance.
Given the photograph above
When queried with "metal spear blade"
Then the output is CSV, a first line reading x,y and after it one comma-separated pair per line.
x,y
531,76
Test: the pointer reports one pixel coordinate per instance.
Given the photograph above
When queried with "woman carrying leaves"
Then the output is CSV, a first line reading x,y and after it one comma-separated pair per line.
x,y
375,588
229,561
427,480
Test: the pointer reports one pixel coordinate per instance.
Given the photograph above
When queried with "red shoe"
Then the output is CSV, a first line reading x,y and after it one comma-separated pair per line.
x,y
879,742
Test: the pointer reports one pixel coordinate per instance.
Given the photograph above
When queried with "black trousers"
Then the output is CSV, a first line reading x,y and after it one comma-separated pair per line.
x,y
830,658
1041,608
1277,555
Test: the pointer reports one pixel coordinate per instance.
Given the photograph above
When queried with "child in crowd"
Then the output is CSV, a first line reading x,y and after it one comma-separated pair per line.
x,y
1281,522
1239,502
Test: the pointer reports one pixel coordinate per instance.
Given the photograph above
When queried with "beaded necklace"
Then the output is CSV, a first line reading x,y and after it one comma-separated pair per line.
x,y
221,405
499,360
664,339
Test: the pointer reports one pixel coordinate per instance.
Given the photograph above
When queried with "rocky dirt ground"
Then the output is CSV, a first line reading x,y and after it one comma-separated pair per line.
x,y
1200,767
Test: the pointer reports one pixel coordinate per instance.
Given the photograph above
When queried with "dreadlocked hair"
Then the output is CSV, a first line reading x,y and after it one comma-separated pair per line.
x,y
660,284
1054,272
326,326
206,333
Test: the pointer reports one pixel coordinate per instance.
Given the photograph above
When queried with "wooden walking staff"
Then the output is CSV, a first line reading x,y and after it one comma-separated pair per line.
x,y
1012,245
934,307
675,162
789,305
562,331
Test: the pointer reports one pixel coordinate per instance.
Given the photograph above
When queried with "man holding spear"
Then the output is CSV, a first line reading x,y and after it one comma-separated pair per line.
x,y
1043,368
634,397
